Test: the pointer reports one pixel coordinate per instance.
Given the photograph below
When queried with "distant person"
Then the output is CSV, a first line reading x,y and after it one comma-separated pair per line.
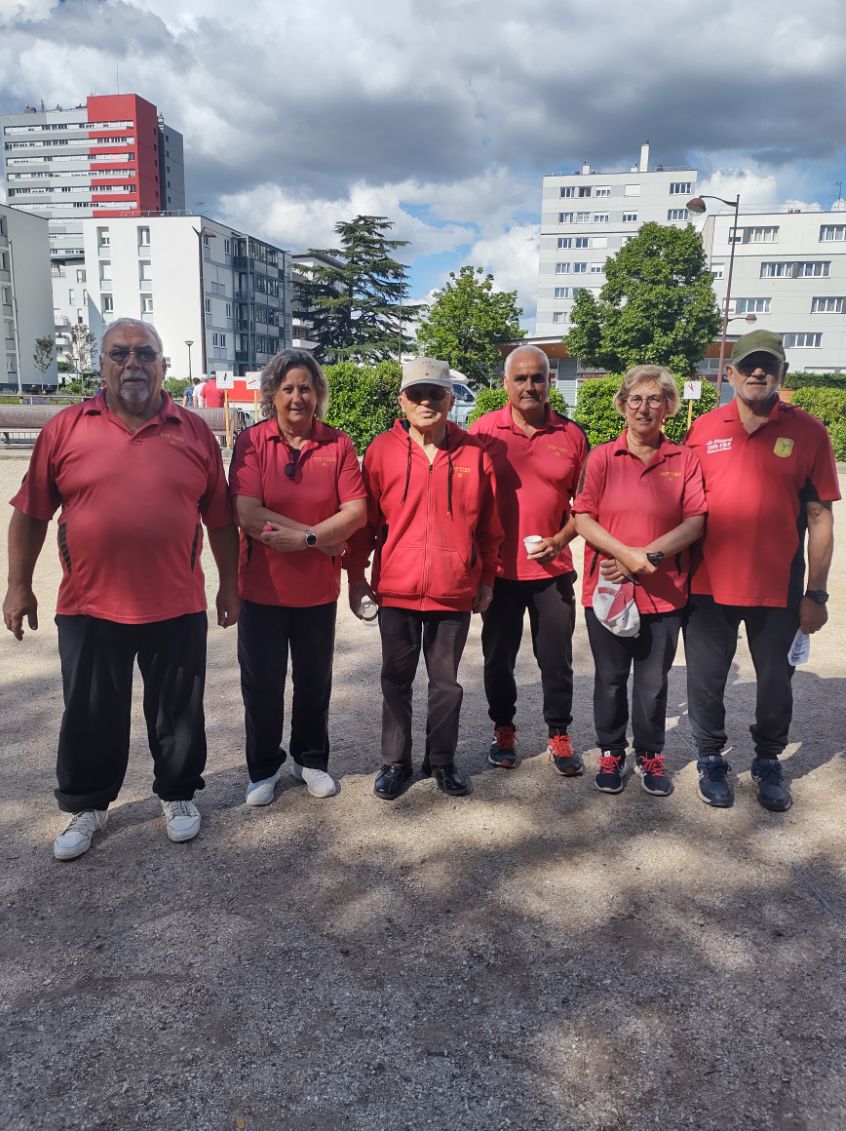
x,y
188,396
769,476
433,528
538,457
641,503
199,392
212,395
132,585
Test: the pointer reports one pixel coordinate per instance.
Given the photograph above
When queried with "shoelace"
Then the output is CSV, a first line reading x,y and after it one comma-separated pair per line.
x,y
82,818
768,769
654,765
179,809
504,737
610,763
560,746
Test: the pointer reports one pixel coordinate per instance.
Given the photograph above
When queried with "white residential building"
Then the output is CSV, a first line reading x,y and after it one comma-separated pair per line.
x,y
26,302
198,281
790,272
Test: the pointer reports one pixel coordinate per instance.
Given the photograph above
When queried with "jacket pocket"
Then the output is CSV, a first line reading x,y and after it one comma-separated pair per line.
x,y
450,576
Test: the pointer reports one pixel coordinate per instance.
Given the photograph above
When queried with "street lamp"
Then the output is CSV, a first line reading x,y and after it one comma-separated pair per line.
x,y
698,207
189,344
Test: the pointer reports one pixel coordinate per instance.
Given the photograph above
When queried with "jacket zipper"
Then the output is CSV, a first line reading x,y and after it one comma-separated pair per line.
x,y
426,539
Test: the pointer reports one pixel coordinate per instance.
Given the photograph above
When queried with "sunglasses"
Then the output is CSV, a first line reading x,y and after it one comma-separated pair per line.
x,y
418,393
291,467
146,355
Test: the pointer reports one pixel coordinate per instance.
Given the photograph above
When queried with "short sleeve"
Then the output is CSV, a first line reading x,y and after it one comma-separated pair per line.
x,y
39,496
245,476
350,480
694,501
215,504
590,488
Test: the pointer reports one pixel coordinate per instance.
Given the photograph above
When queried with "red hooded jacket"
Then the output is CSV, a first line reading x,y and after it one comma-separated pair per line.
x,y
435,526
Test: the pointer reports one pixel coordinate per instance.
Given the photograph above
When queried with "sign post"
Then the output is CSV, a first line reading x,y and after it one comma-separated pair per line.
x,y
692,392
226,381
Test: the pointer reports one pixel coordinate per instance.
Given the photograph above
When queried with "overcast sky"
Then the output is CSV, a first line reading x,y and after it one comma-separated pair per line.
x,y
445,114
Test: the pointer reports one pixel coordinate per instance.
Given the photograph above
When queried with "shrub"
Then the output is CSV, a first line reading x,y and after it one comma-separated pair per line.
x,y
494,397
803,380
363,399
829,406
175,386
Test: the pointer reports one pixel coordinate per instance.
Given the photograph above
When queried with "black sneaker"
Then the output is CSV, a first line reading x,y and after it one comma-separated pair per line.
x,y
502,752
653,775
612,766
563,757
714,788
773,791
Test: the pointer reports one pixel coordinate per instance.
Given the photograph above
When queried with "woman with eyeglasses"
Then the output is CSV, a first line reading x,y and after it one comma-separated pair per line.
x,y
298,495
641,503
433,524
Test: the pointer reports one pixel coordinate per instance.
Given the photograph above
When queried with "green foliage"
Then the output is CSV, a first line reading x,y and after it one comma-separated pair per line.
x,y
467,322
829,406
676,426
175,386
494,397
81,348
356,304
802,380
657,305
363,399
86,386
45,348
596,413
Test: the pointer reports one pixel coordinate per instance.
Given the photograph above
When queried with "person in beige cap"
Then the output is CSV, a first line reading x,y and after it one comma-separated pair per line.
x,y
769,474
433,527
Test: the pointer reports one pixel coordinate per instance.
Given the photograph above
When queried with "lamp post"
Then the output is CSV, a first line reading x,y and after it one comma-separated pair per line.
x,y
698,207
189,344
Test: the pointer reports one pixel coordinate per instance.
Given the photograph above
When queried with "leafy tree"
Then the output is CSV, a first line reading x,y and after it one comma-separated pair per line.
x,y
363,399
495,396
81,349
45,348
657,305
175,386
357,305
467,323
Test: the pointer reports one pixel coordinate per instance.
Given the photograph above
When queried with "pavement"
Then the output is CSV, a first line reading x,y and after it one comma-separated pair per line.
x,y
537,955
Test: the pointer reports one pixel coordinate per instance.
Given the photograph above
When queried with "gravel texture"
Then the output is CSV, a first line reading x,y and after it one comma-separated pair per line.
x,y
537,955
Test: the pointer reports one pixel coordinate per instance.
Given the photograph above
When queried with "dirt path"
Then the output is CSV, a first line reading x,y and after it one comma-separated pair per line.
x,y
538,955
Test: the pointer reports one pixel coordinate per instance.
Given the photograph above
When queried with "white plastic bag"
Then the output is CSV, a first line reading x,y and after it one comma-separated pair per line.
x,y
616,608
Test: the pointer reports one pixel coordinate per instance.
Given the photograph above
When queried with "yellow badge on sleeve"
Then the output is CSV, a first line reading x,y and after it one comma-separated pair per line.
x,y
783,447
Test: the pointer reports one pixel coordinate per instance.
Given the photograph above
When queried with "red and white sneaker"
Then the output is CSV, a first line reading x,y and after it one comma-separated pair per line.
x,y
563,757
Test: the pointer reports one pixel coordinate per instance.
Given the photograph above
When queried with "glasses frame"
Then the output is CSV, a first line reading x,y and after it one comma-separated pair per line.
x,y
654,400
144,355
437,393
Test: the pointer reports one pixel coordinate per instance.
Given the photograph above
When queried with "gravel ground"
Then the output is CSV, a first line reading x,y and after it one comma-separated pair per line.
x,y
537,955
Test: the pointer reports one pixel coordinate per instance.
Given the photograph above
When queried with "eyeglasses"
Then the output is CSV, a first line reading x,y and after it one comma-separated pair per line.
x,y
291,467
418,393
146,355
654,401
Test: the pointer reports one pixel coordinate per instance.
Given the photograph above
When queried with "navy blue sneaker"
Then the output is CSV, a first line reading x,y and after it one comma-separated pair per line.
x,y
773,791
652,772
714,788
612,767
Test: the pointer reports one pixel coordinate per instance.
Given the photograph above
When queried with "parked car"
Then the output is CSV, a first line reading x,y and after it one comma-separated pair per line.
x,y
465,398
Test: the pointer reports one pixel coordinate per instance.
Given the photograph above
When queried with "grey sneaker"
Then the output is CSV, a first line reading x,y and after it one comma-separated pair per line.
x,y
261,792
183,820
77,837
318,782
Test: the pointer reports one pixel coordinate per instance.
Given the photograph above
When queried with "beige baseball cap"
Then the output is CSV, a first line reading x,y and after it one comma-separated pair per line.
x,y
426,371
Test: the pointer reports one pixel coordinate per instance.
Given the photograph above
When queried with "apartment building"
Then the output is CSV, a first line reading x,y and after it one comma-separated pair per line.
x,y
790,273
587,216
26,303
220,298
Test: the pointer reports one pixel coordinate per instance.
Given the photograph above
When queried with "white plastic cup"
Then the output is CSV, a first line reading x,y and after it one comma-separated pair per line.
x,y
367,610
531,542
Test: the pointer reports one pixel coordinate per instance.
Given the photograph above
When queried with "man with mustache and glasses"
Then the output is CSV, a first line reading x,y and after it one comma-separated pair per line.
x,y
538,458
769,477
135,476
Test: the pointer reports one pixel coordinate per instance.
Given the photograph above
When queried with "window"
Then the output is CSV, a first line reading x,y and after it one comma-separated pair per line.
x,y
584,190
219,340
829,232
681,188
630,217
567,190
804,269
559,316
146,304
752,305
107,304
580,241
562,268
631,190
676,213
106,269
561,292
597,268
580,268
566,217
827,305
227,247
143,237
760,235
145,270
583,217
600,217
602,190
812,270
718,269
565,241
599,241
207,305
229,310
103,237
802,341
80,274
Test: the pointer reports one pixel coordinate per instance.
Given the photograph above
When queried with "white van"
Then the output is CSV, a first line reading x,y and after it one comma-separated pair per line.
x,y
465,398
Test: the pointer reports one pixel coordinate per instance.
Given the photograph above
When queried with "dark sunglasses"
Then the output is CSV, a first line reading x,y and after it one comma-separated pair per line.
x,y
291,467
418,393
144,354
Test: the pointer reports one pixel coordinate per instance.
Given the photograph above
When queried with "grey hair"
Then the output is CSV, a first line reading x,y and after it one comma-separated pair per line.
x,y
131,322
535,351
283,363
640,375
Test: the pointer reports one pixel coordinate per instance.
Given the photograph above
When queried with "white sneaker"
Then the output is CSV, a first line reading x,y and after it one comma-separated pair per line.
x,y
319,783
76,839
183,820
261,792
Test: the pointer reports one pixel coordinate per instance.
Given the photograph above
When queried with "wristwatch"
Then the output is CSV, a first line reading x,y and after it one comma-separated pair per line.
x,y
818,595
310,539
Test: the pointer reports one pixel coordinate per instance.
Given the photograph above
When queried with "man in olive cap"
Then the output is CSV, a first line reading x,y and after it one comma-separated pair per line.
x,y
769,477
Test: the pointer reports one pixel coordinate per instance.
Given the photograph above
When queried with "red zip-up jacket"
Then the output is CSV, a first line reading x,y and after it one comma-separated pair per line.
x,y
435,526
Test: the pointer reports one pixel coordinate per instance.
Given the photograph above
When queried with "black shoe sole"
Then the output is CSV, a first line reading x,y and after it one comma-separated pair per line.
x,y
569,773
727,804
501,765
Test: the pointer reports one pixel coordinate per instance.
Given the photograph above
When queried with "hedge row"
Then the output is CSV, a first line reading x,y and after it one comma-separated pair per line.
x,y
829,405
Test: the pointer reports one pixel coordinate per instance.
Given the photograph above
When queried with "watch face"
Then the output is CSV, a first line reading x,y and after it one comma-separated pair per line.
x,y
311,538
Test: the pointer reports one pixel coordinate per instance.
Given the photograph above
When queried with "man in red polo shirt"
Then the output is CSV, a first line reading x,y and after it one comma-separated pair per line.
x,y
538,458
769,476
134,475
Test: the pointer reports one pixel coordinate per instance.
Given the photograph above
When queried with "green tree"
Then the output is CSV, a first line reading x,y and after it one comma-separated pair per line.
x,y
81,349
45,348
468,321
657,305
495,396
363,399
357,304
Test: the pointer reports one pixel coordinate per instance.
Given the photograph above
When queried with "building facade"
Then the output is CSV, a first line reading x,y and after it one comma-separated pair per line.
x,y
201,282
26,301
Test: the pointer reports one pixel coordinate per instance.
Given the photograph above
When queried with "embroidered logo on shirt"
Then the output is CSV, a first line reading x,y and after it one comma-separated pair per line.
x,y
783,447
718,446
173,437
670,474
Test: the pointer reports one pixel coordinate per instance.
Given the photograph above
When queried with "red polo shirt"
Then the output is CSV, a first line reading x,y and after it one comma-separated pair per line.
x,y
536,477
129,530
637,502
327,474
213,396
756,484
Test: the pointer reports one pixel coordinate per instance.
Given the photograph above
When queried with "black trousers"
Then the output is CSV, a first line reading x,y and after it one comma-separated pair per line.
x,y
97,659
265,633
651,654
552,618
710,641
442,637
